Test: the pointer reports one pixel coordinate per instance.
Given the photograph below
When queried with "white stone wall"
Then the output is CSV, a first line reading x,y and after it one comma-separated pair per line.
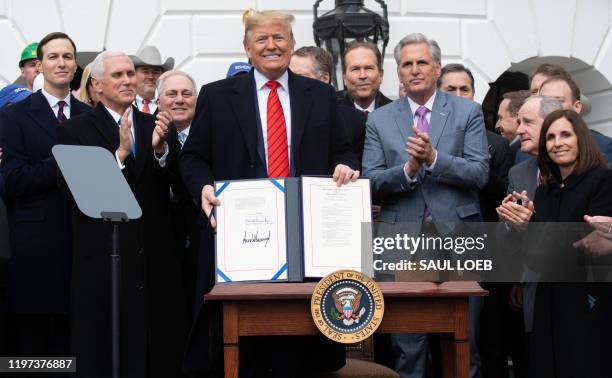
x,y
204,36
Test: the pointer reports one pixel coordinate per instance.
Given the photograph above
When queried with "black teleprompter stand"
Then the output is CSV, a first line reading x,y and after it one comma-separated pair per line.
x,y
101,192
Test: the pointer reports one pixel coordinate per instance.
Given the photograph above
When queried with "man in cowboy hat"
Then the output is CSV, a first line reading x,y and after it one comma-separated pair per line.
x,y
149,67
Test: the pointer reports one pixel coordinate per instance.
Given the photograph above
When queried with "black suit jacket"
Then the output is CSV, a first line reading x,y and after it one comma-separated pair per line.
x,y
500,161
380,100
152,302
225,143
354,121
38,212
225,139
186,221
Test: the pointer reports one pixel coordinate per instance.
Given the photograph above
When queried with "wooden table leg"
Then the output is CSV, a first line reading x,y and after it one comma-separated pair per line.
x,y
462,358
448,351
230,339
456,347
455,357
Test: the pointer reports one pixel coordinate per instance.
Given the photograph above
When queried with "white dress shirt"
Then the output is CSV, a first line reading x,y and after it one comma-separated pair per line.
x,y
152,104
262,100
53,103
370,107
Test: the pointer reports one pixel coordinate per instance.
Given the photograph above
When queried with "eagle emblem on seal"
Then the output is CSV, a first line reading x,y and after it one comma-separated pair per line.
x,y
347,305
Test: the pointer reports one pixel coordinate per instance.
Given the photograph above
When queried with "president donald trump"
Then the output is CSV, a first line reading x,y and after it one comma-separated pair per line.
x,y
268,123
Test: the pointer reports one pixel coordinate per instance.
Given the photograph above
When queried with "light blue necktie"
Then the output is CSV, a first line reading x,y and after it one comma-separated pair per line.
x,y
182,137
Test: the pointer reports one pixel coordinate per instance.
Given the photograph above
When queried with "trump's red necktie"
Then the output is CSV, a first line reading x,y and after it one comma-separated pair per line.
x,y
278,155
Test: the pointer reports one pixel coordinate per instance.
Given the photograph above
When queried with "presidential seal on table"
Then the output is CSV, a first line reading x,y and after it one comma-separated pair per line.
x,y
347,306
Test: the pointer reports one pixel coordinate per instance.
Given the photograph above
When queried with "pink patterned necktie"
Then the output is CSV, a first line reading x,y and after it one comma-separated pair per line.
x,y
423,126
422,123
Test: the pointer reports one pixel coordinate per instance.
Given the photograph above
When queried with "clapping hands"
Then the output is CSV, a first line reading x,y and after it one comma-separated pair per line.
x,y
420,151
516,210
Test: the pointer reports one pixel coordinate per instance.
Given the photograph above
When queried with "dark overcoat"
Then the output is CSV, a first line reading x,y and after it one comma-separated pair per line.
x,y
572,330
38,212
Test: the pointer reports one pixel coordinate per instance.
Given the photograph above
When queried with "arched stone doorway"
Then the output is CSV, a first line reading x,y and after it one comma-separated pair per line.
x,y
593,84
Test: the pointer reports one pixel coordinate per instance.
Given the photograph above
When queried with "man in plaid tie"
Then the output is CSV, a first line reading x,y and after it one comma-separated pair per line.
x,y
267,123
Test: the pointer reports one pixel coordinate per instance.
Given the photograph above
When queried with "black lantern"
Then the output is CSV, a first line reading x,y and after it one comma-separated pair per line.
x,y
349,21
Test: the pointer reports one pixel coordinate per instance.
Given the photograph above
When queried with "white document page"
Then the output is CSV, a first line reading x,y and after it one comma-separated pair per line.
x,y
333,219
251,232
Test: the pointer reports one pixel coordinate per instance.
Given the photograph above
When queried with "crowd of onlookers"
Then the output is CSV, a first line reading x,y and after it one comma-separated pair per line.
x,y
428,155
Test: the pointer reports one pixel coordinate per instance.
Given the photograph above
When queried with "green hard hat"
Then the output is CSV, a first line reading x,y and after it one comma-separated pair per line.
x,y
28,53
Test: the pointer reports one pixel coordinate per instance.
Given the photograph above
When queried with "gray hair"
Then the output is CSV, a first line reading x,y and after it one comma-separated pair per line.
x,y
323,62
547,104
456,67
414,38
168,74
97,66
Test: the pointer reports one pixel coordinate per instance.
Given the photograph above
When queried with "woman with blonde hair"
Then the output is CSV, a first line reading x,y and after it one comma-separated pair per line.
x,y
86,93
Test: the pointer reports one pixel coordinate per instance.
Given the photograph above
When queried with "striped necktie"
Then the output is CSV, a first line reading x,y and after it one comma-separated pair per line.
x,y
145,106
278,154
61,117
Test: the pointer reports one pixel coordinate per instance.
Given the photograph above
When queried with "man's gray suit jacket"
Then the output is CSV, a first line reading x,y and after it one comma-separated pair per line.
x,y
461,169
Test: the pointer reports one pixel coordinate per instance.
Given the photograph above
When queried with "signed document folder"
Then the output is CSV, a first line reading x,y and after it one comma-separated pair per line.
x,y
291,228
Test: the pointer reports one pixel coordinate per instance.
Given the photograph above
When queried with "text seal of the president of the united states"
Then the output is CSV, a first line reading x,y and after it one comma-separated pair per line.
x,y
347,306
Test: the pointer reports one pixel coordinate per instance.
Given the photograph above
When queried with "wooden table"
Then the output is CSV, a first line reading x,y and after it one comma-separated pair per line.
x,y
268,309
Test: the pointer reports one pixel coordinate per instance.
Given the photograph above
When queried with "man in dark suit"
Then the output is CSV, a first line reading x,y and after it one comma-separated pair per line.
x,y
362,73
152,314
38,212
177,95
567,92
316,63
570,97
523,178
5,254
269,123
458,80
507,118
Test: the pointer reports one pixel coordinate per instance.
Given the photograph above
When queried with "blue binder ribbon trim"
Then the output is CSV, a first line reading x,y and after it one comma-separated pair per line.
x,y
223,275
222,188
280,271
279,186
